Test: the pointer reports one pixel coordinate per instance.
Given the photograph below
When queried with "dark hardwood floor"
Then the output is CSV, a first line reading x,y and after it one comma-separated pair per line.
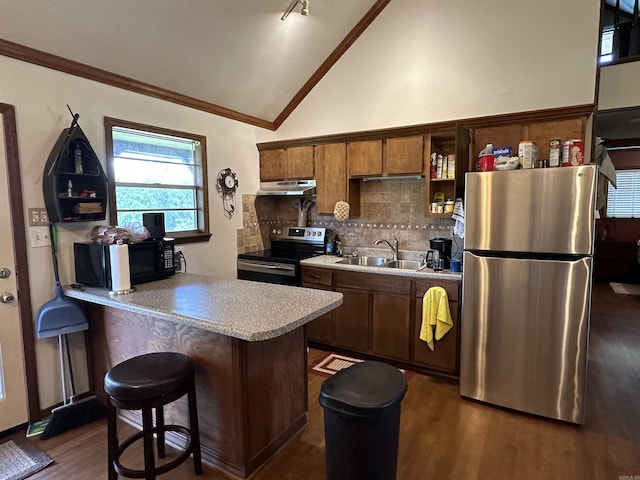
x,y
445,437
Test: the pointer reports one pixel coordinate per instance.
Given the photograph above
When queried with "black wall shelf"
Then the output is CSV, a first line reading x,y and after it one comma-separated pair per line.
x,y
73,194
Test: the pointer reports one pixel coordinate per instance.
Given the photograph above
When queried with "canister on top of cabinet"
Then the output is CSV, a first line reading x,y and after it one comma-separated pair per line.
x,y
528,154
555,152
573,152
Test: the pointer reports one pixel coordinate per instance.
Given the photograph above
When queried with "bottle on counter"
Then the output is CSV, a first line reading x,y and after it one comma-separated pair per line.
x,y
328,247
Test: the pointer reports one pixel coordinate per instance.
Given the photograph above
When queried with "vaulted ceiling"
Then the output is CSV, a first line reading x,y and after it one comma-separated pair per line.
x,y
234,57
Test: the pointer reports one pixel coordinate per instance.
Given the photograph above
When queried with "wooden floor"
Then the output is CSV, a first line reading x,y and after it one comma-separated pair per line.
x,y
445,437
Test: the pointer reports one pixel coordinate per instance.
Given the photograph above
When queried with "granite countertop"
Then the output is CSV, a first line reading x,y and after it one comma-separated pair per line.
x,y
242,309
331,261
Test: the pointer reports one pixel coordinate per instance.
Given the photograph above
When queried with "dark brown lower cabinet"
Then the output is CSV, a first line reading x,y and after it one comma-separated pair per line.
x,y
352,320
390,325
445,354
381,317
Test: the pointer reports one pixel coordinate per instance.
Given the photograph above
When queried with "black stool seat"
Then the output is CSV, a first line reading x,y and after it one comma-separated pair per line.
x,y
149,376
146,383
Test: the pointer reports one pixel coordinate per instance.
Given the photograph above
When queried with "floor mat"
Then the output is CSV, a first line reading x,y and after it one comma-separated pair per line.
x,y
19,458
625,288
334,362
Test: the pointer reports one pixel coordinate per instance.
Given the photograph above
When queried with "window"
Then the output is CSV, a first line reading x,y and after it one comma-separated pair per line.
x,y
606,48
624,201
157,170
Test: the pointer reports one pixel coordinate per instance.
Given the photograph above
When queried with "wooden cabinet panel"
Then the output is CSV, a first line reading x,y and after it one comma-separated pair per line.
x,y
352,320
404,155
446,350
299,162
371,281
452,287
390,325
502,136
445,353
321,328
318,276
364,158
272,165
540,133
331,176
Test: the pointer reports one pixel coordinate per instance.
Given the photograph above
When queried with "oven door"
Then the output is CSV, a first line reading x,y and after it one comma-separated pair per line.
x,y
269,272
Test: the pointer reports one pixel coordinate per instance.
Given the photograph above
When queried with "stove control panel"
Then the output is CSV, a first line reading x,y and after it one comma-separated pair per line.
x,y
299,234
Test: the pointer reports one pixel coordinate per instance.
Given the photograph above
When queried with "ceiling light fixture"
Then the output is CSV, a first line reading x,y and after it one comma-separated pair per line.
x,y
294,3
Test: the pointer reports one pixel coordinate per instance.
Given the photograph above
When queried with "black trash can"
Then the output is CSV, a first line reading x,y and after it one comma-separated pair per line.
x,y
362,421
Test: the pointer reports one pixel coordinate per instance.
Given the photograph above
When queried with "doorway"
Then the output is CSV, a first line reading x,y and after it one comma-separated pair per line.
x,y
18,378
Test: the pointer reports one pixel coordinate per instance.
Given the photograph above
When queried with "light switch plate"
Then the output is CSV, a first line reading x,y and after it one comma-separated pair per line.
x,y
39,237
37,216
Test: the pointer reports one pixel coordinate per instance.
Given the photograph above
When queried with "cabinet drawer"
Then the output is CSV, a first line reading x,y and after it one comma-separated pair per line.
x,y
451,286
374,282
319,276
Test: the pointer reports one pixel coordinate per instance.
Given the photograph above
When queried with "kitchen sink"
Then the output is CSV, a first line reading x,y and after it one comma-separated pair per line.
x,y
405,264
366,261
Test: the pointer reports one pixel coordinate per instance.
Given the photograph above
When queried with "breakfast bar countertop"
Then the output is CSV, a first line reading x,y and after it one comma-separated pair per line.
x,y
252,311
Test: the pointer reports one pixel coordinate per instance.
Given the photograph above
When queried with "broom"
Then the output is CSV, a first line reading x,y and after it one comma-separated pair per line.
x,y
61,316
73,413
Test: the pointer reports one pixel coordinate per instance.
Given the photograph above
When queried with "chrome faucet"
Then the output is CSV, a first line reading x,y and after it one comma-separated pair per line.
x,y
394,247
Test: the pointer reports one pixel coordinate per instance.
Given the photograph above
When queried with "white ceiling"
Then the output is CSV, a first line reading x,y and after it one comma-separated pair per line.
x,y
236,54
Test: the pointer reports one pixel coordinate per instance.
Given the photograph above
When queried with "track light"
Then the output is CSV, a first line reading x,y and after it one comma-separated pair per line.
x,y
294,3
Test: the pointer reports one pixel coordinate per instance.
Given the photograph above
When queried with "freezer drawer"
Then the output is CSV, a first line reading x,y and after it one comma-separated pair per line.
x,y
525,328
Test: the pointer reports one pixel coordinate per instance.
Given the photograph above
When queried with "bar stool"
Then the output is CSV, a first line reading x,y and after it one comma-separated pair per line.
x,y
144,383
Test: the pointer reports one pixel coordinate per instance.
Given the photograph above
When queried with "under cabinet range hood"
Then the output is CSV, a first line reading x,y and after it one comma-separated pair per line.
x,y
289,187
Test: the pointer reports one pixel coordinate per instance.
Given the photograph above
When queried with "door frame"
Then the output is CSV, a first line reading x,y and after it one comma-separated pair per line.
x,y
23,295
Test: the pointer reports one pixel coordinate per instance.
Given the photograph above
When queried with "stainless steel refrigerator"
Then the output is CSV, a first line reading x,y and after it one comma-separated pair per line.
x,y
528,253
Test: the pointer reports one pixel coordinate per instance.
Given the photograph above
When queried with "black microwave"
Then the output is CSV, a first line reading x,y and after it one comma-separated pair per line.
x,y
149,260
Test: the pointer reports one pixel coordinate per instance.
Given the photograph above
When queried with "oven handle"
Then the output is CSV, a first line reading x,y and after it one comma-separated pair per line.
x,y
262,267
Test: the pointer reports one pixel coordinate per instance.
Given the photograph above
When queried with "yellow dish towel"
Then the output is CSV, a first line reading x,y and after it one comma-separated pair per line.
x,y
435,313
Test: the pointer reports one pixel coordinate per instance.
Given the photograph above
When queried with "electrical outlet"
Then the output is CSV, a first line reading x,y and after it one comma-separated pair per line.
x,y
39,237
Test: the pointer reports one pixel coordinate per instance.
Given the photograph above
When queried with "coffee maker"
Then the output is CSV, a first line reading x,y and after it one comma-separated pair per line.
x,y
442,245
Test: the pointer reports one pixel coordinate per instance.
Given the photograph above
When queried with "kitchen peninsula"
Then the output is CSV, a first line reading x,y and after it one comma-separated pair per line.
x,y
247,339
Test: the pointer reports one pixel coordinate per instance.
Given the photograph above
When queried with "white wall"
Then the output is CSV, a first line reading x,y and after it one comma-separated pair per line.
x,y
425,61
419,62
40,96
619,86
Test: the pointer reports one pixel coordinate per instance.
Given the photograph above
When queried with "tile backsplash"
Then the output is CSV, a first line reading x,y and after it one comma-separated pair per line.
x,y
388,207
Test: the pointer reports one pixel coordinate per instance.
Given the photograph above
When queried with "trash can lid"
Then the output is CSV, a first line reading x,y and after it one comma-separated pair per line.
x,y
363,389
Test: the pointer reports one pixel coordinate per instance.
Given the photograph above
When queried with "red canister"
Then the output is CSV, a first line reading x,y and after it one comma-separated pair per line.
x,y
573,153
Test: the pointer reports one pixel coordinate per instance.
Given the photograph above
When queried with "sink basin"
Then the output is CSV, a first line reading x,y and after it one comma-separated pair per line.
x,y
367,261
405,264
